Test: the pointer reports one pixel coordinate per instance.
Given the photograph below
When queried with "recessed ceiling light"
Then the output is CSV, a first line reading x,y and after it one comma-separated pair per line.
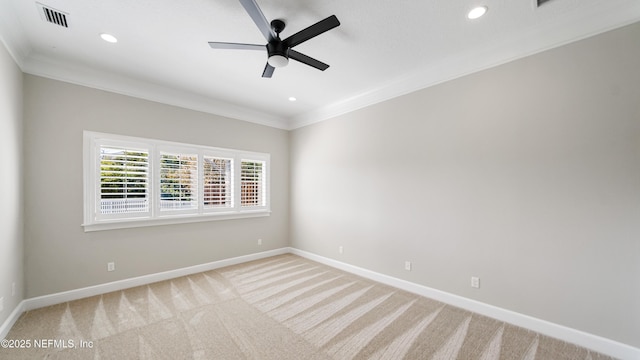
x,y
477,12
109,38
292,99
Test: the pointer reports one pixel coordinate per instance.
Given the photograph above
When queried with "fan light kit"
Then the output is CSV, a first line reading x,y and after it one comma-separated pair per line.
x,y
109,38
280,51
278,61
477,12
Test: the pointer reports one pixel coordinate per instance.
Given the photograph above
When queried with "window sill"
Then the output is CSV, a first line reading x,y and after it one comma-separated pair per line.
x,y
169,220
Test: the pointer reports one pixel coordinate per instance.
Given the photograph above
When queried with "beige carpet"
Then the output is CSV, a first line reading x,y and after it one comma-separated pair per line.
x,y
283,307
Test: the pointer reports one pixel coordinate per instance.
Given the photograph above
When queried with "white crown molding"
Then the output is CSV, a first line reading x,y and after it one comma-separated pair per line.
x,y
502,52
602,18
13,40
103,80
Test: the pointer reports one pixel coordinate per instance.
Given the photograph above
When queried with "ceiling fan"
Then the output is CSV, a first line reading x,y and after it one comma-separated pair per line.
x,y
280,51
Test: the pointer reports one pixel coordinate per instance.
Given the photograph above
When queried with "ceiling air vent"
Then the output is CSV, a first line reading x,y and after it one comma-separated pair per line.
x,y
52,15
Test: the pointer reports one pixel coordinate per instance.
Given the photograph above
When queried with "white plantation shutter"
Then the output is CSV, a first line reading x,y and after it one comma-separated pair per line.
x,y
252,179
178,181
218,182
132,182
124,180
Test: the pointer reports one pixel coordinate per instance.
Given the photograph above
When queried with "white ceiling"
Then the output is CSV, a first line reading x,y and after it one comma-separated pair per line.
x,y
382,48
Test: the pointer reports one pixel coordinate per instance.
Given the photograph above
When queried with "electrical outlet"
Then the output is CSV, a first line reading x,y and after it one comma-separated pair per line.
x,y
259,242
340,249
111,266
475,282
407,265
13,288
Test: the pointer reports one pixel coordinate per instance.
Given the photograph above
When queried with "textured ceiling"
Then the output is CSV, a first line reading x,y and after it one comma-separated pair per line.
x,y
382,49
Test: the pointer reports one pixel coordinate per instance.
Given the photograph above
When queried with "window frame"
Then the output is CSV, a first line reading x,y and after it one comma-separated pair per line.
x,y
95,221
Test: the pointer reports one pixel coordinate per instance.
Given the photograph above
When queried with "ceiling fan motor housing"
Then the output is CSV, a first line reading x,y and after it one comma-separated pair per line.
x,y
278,53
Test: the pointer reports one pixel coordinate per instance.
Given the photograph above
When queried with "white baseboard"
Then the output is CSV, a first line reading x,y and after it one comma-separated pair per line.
x,y
13,317
52,299
58,298
583,339
586,340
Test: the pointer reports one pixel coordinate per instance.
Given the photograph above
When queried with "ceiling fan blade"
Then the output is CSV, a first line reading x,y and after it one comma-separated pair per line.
x,y
236,46
307,60
268,71
258,18
312,31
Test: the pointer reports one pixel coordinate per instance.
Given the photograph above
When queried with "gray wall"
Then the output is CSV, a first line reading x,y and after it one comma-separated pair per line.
x,y
61,256
526,175
11,213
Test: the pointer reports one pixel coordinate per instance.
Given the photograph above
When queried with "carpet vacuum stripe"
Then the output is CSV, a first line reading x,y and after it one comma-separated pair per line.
x,y
282,307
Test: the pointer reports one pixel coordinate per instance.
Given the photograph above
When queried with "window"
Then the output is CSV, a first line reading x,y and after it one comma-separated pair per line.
x,y
178,181
131,182
124,181
218,183
251,177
